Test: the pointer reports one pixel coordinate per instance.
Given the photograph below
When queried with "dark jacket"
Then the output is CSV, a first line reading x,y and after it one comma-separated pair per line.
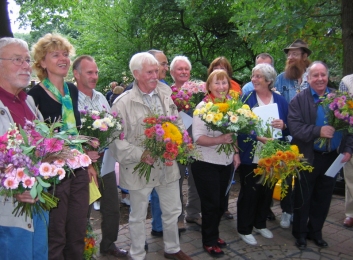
x,y
247,147
301,122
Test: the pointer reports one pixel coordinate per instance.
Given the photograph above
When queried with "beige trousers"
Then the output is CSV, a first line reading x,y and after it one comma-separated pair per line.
x,y
348,178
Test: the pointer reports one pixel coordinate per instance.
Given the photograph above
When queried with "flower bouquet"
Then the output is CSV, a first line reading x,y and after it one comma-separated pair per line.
x,y
35,158
230,116
278,160
102,126
90,243
189,95
339,110
165,141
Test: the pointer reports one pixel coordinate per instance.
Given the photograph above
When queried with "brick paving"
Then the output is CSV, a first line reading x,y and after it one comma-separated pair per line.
x,y
339,238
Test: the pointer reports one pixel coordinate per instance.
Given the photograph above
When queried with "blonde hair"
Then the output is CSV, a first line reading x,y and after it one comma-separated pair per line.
x,y
48,43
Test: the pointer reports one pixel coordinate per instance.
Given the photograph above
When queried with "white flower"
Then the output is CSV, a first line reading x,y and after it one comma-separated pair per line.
x,y
97,123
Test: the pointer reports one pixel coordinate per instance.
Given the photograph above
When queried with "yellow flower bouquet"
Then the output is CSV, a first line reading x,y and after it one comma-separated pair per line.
x,y
278,160
231,116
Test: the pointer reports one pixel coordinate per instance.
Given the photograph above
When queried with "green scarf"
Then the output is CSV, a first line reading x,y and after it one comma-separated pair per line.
x,y
67,110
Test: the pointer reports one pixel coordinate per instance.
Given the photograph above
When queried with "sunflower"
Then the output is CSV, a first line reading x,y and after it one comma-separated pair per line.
x,y
172,131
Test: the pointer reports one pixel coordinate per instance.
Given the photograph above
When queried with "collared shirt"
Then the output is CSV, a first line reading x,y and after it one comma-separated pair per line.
x,y
97,102
321,120
153,101
17,106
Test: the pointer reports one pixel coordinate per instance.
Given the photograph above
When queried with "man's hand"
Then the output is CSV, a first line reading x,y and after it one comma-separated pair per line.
x,y
327,131
92,173
25,197
346,158
147,158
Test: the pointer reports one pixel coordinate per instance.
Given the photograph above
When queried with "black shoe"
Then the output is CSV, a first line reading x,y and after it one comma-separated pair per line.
x,y
270,215
117,252
301,243
146,246
319,242
156,233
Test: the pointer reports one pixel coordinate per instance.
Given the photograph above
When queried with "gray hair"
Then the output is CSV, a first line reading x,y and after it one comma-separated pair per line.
x,y
264,56
137,61
318,62
7,41
154,52
268,71
178,58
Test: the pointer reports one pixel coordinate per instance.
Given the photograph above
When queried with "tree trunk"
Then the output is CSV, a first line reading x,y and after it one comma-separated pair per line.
x,y
347,36
5,28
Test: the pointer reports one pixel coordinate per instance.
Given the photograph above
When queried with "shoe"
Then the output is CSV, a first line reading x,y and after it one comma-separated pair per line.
x,y
285,220
117,252
146,246
197,221
264,232
177,256
125,201
221,243
156,233
228,215
96,205
181,226
214,251
270,215
348,222
249,239
319,242
301,243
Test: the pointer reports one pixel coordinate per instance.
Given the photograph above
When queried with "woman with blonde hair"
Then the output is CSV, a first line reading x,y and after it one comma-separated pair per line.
x,y
58,100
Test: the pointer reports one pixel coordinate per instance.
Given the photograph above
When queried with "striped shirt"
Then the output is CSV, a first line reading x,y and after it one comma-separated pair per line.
x,y
97,102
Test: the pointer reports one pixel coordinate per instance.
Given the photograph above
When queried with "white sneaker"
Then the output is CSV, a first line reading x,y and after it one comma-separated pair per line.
x,y
249,239
264,232
97,205
285,220
126,201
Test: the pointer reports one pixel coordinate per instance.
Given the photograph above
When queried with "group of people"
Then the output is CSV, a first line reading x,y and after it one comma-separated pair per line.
x,y
61,236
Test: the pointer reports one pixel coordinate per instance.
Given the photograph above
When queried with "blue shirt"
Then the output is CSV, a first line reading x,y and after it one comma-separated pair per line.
x,y
288,87
247,88
321,120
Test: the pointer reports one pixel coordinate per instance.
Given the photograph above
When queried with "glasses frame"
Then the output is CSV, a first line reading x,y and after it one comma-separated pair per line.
x,y
18,61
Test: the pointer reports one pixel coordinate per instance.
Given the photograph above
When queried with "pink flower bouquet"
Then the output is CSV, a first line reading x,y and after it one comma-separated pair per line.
x,y
189,95
35,158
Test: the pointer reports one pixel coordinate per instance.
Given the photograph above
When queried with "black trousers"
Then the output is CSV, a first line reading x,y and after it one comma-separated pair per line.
x,y
211,182
253,202
288,200
313,192
110,211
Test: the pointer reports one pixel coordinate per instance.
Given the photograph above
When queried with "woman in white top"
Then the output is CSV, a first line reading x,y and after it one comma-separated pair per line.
x,y
212,172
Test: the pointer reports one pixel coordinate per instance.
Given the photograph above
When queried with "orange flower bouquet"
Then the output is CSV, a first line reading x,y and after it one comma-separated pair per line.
x,y
278,160
90,243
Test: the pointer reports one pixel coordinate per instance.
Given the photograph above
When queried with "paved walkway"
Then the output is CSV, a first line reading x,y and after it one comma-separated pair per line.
x,y
339,238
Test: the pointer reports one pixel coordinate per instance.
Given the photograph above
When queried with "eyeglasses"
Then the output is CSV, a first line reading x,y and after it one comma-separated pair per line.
x,y
164,64
256,76
294,54
18,61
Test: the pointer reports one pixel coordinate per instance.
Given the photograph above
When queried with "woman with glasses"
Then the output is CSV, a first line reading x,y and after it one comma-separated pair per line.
x,y
255,198
58,100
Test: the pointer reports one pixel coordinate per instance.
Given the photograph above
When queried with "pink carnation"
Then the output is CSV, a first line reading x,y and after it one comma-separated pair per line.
x,y
60,172
28,182
85,160
59,162
11,183
20,174
45,170
73,162
53,145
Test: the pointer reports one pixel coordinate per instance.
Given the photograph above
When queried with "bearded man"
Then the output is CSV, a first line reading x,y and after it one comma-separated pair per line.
x,y
294,78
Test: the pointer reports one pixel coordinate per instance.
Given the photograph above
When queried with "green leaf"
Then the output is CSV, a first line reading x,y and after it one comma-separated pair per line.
x,y
42,183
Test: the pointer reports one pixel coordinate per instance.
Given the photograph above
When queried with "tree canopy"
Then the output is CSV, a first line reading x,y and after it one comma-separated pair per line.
x,y
113,30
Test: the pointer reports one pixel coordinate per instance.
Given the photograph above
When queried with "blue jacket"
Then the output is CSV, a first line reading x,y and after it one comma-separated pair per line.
x,y
288,87
246,146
